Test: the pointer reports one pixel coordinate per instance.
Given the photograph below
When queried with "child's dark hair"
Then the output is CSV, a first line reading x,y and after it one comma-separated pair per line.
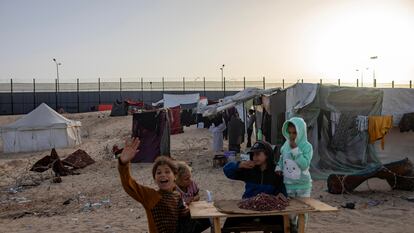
x,y
164,160
251,111
290,124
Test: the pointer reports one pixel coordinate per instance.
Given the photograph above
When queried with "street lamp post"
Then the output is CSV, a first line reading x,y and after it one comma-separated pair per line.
x,y
57,83
222,76
373,69
57,72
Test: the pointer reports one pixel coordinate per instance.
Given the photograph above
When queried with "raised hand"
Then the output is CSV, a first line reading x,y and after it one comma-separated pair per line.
x,y
130,149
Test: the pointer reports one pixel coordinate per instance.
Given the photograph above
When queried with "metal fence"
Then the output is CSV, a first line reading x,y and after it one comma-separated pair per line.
x,y
20,98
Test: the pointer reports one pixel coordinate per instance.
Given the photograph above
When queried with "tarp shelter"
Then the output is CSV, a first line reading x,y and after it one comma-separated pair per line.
x,y
41,129
153,130
119,108
104,107
397,102
330,113
234,100
172,100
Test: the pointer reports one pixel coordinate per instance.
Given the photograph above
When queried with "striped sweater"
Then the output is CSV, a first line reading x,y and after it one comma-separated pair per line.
x,y
163,209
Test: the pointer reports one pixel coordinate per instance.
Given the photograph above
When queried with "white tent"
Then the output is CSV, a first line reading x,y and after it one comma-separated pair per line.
x,y
41,129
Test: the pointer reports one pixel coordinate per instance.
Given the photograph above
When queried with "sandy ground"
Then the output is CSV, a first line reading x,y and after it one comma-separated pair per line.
x,y
40,208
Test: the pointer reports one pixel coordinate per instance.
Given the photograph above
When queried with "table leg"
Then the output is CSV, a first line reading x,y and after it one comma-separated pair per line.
x,y
217,226
286,224
301,223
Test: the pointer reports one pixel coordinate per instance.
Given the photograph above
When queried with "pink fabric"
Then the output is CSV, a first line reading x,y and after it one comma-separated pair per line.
x,y
192,191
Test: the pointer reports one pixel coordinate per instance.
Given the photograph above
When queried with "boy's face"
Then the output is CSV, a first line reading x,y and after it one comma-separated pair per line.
x,y
164,178
184,180
259,158
292,133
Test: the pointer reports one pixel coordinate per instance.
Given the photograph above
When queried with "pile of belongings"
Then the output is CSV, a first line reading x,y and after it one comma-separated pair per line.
x,y
77,160
399,175
264,202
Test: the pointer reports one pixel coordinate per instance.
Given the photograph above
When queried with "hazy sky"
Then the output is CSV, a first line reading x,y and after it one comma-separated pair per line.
x,y
293,39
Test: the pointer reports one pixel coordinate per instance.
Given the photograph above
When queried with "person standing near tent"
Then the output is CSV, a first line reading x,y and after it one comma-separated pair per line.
x,y
236,133
165,209
217,128
294,162
251,119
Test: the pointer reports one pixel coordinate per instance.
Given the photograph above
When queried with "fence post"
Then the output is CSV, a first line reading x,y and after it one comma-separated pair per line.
x,y
339,82
142,90
184,85
120,88
11,96
244,83
204,85
375,82
357,82
392,84
283,83
411,83
56,95
150,91
77,93
34,93
264,83
320,81
224,87
163,85
99,90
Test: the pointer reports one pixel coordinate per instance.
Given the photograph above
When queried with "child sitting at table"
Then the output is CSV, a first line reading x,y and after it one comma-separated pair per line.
x,y
166,211
259,176
294,162
185,185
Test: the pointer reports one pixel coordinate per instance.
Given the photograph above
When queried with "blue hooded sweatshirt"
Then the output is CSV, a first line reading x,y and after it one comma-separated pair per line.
x,y
295,162
256,180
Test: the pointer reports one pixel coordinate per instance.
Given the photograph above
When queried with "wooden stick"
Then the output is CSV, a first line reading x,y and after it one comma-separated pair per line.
x,y
286,224
301,223
217,226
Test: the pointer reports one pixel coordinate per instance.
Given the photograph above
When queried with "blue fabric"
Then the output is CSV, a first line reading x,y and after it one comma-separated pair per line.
x,y
256,181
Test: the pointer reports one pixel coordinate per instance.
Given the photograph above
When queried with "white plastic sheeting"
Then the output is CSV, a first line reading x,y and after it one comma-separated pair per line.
x,y
41,129
299,96
234,100
397,102
171,100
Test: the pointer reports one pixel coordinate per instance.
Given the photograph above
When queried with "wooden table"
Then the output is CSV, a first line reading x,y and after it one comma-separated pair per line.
x,y
202,209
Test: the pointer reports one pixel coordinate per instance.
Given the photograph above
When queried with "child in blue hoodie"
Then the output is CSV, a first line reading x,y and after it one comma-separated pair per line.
x,y
258,175
294,162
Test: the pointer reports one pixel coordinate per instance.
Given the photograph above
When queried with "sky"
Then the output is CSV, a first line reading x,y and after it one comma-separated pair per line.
x,y
294,39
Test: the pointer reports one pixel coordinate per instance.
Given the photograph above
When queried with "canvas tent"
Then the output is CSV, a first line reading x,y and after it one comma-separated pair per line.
x,y
41,129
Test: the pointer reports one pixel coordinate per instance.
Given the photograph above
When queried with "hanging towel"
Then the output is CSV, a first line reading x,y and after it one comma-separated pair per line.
x,y
378,127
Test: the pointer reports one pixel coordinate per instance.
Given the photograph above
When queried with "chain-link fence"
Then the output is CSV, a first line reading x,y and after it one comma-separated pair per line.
x,y
20,97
